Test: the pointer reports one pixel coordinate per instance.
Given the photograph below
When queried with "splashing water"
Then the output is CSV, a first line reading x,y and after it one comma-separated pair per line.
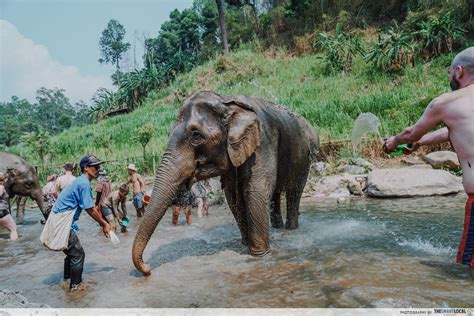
x,y
364,124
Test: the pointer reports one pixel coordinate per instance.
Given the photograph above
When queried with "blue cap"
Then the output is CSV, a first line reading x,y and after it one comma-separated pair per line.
x,y
89,161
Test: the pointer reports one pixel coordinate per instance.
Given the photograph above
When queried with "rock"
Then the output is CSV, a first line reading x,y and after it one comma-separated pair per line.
x,y
340,193
330,184
421,166
13,299
362,163
354,166
406,182
351,169
440,159
341,200
413,160
309,188
319,169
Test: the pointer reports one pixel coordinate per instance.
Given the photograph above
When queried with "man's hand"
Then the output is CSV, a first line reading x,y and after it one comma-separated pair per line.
x,y
106,229
413,147
389,145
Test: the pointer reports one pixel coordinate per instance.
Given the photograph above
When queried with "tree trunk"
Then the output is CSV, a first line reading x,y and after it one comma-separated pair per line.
x,y
255,13
222,26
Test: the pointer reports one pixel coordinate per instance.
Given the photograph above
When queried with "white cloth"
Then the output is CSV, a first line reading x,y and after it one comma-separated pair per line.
x,y
56,231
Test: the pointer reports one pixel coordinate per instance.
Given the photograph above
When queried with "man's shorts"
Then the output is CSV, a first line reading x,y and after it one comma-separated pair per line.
x,y
138,200
466,247
106,211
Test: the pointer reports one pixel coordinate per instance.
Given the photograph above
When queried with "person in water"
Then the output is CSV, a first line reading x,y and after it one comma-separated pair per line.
x,y
455,110
77,197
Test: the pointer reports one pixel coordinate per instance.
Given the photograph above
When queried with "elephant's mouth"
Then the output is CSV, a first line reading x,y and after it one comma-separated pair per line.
x,y
206,172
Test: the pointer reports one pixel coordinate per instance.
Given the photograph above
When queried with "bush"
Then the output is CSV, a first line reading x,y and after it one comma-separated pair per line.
x,y
340,49
393,51
438,35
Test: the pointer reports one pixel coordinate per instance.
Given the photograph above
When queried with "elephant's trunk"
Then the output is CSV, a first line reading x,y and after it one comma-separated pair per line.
x,y
37,195
167,181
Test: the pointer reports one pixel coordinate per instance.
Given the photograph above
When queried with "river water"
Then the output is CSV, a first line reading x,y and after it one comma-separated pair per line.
x,y
363,253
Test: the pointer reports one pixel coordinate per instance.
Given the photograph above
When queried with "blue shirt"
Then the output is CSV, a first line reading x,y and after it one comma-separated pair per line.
x,y
77,195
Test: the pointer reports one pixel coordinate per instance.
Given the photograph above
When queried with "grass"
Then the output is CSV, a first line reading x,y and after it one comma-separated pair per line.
x,y
329,102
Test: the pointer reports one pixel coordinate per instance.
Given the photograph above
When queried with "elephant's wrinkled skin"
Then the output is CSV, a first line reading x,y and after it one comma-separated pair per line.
x,y
258,148
21,180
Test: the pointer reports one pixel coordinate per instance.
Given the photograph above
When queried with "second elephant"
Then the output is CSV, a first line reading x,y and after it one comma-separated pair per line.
x,y
259,149
21,181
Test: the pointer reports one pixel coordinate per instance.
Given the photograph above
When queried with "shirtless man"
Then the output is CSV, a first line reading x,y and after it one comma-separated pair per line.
x,y
138,189
456,110
63,181
114,200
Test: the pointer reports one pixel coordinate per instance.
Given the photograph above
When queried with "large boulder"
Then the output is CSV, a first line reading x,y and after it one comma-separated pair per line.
x,y
354,166
440,159
336,185
406,182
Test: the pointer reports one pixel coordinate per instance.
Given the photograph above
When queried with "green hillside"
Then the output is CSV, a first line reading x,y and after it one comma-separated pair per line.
x,y
329,102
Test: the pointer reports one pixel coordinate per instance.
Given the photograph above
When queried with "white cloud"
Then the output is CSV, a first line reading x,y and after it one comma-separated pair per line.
x,y
26,66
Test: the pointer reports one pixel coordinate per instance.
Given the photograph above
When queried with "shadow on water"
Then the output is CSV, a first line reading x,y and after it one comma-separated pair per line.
x,y
89,268
207,243
448,269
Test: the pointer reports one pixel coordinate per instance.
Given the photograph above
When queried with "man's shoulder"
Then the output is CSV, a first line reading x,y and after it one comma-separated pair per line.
x,y
81,182
448,97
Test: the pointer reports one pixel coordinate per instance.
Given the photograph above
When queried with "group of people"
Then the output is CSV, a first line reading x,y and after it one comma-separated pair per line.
x,y
68,200
105,210
110,203
186,199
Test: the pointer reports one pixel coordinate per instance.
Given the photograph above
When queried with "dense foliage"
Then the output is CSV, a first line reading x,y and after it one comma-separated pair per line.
x,y
52,112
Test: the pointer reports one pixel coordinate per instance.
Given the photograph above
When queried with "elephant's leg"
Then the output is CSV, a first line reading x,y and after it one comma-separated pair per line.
x,y
275,215
258,203
20,207
237,205
293,197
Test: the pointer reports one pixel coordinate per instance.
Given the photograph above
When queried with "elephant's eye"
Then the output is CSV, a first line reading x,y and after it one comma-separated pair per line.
x,y
196,137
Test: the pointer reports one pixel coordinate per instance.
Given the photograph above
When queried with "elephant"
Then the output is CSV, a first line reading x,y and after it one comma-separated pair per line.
x,y
21,180
259,150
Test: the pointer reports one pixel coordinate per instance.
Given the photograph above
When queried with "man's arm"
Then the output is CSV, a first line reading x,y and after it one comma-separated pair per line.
x,y
115,210
142,185
124,208
434,138
95,214
429,120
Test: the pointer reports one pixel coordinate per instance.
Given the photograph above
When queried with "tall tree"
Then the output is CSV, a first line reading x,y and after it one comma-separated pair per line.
x,y
53,111
253,4
112,45
220,10
177,45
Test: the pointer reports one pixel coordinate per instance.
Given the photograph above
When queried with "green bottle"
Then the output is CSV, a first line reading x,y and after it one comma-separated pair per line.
x,y
400,150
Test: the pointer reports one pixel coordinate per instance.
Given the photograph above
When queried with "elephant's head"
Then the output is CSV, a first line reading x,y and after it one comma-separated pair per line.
x,y
23,181
211,135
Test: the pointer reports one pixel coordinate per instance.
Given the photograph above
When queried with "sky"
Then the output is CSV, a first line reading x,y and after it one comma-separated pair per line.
x,y
55,43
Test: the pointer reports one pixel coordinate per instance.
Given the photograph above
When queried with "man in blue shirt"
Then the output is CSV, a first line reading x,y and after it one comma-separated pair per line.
x,y
78,195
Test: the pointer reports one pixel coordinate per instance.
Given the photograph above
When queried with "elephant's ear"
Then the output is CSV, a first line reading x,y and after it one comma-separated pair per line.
x,y
243,135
